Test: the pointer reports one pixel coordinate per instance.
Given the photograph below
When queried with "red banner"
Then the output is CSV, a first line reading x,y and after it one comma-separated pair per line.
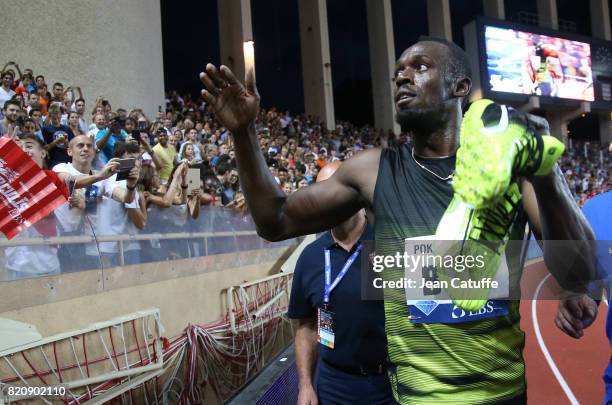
x,y
27,194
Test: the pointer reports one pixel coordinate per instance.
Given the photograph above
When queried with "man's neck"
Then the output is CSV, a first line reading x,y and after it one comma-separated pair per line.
x,y
55,123
84,168
6,88
348,233
441,142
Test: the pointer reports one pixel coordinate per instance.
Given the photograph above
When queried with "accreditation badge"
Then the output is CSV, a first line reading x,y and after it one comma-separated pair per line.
x,y
427,294
325,328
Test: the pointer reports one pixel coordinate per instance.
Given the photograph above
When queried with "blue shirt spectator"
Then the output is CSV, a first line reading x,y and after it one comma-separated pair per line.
x,y
106,153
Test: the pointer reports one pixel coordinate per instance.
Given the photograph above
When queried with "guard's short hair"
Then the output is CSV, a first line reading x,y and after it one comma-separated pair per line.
x,y
458,65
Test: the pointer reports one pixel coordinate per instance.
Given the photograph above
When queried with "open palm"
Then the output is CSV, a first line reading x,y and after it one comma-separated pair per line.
x,y
235,105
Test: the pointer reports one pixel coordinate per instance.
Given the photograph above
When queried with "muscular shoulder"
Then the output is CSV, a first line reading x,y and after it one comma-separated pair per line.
x,y
361,171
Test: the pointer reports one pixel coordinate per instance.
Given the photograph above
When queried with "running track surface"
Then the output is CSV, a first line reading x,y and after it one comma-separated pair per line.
x,y
579,363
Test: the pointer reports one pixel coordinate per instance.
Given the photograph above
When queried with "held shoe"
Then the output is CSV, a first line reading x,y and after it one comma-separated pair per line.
x,y
479,237
497,144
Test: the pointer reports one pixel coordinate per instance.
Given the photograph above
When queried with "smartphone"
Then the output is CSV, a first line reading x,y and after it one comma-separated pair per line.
x,y
125,165
142,124
193,180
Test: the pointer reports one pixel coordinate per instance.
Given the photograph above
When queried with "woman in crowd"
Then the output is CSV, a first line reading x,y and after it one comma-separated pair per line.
x,y
73,123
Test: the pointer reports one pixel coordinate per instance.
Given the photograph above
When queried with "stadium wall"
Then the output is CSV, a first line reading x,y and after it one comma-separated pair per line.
x,y
109,48
186,291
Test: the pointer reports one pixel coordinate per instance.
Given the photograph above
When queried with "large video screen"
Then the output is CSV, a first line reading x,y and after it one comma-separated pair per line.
x,y
526,63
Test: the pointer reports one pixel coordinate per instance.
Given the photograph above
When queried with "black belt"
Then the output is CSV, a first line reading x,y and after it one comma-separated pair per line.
x,y
361,369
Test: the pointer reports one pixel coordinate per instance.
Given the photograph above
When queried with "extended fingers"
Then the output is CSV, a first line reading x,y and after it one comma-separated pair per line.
x,y
209,85
216,76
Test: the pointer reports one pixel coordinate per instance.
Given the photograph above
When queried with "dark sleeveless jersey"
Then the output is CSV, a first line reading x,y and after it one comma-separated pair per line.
x,y
475,362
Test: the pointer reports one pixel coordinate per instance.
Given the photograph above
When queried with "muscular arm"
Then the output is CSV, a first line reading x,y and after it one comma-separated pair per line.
x,y
568,240
306,354
277,216
308,210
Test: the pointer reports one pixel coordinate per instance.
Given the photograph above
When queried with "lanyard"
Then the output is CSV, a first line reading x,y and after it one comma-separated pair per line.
x,y
329,286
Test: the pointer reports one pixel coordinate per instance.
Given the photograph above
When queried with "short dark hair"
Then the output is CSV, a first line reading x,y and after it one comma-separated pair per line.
x,y
121,148
7,72
33,109
79,99
458,64
32,137
58,84
223,167
40,76
13,102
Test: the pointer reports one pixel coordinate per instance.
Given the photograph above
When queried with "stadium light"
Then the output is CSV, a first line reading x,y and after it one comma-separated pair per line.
x,y
249,55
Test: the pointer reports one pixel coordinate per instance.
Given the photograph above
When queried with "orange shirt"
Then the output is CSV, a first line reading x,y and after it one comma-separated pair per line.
x,y
44,103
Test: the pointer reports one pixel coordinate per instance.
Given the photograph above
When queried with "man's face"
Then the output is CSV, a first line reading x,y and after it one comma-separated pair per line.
x,y
40,81
167,123
7,80
58,91
223,149
34,150
80,107
33,98
282,176
162,138
54,115
42,90
420,88
211,152
11,112
82,149
100,121
192,135
36,116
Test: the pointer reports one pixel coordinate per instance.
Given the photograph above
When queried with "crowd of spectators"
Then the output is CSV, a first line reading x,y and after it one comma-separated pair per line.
x,y
588,169
84,140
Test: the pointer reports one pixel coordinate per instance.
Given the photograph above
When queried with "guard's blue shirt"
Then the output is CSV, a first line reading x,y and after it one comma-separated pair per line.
x,y
359,325
598,212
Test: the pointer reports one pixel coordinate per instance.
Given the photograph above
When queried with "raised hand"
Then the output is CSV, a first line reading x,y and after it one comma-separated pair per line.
x,y
235,105
111,168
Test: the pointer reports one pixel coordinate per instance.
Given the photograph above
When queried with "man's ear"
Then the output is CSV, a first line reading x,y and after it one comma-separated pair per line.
x,y
462,87
69,151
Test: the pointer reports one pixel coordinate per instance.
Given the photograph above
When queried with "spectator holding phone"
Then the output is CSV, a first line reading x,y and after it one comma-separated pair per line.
x,y
57,137
120,208
107,138
84,185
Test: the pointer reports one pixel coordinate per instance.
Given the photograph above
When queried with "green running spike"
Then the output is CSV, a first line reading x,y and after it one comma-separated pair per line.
x,y
498,144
